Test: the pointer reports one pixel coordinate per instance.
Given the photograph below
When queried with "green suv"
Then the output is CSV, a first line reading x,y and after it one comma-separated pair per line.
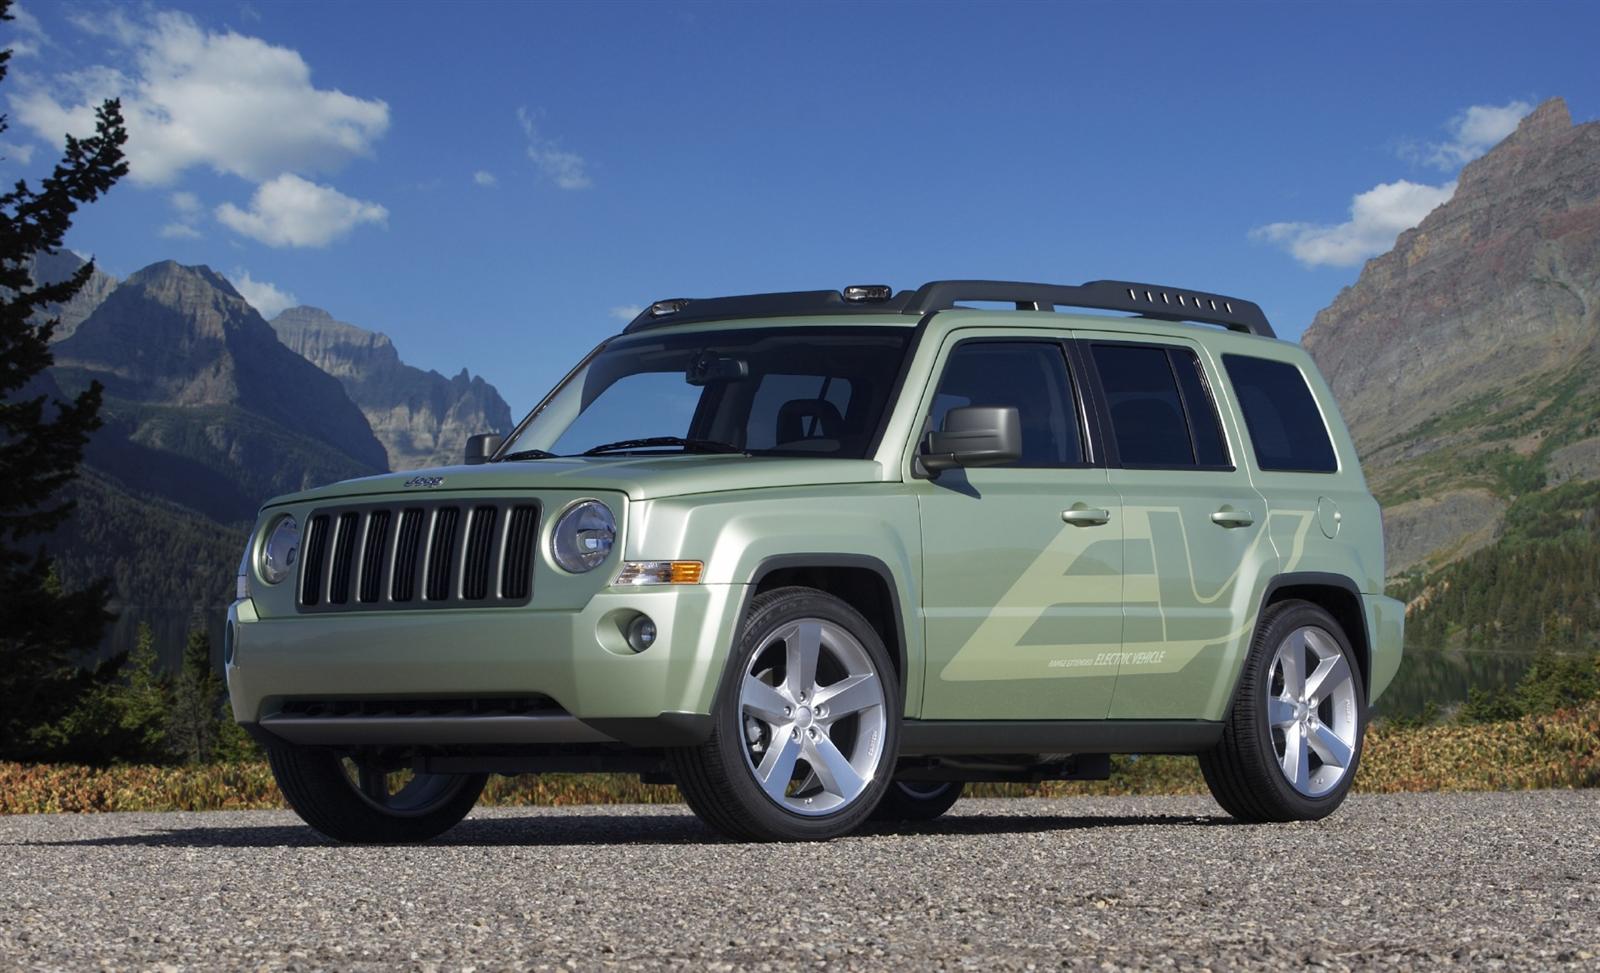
x,y
822,556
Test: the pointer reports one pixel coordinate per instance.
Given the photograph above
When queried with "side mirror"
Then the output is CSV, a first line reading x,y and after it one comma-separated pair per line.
x,y
482,446
977,435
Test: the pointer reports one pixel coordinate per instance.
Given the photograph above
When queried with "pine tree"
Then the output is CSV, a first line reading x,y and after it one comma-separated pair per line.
x,y
145,701
44,628
192,727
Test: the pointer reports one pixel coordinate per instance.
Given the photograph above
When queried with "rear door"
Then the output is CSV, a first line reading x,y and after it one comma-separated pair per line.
x,y
1193,524
1021,564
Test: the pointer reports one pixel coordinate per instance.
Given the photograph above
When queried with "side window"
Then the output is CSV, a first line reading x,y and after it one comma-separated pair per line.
x,y
1285,426
1209,446
1031,375
1147,417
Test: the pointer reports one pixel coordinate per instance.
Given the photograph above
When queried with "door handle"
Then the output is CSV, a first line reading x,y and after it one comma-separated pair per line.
x,y
1229,517
1080,516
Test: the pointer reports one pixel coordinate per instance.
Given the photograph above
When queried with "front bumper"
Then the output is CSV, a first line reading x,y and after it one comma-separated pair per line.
x,y
598,690
1386,622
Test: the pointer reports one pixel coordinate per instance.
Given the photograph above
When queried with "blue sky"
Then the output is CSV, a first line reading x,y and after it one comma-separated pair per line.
x,y
490,184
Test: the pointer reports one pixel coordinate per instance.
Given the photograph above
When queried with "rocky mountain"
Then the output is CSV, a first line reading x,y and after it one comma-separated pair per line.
x,y
52,268
208,413
1467,359
421,417
204,406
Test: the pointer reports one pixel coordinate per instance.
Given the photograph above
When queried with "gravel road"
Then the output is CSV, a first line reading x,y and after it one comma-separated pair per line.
x,y
1474,881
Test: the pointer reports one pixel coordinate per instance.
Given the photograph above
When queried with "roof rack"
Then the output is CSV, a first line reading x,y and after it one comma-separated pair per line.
x,y
1145,300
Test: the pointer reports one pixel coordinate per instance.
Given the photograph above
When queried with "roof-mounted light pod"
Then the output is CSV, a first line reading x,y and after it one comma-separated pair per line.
x,y
857,293
673,306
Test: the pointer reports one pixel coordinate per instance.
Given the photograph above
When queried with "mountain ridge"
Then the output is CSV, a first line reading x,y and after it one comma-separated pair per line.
x,y
422,418
1466,360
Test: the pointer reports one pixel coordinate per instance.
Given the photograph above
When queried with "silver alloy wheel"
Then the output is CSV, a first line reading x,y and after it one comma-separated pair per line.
x,y
1311,711
811,707
400,793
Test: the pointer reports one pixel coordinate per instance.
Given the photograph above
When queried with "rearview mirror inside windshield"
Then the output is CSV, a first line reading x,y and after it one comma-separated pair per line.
x,y
711,367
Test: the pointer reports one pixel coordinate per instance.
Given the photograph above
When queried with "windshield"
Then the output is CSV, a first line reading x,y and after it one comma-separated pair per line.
x,y
769,391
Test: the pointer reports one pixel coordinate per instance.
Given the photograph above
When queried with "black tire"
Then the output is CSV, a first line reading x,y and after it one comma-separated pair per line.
x,y
716,778
917,800
319,789
1243,770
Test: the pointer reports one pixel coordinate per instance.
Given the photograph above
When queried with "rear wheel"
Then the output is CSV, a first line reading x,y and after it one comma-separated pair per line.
x,y
918,800
365,801
1292,743
806,726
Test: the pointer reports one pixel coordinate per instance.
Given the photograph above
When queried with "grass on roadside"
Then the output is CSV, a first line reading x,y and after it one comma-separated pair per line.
x,y
1559,750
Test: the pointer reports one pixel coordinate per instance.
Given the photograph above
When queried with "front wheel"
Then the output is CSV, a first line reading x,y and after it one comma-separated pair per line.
x,y
1292,743
367,802
806,727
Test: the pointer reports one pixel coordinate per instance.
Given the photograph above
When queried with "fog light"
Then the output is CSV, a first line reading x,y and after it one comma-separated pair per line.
x,y
641,633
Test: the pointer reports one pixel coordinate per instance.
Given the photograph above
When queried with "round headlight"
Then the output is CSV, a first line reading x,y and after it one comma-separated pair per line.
x,y
583,536
281,552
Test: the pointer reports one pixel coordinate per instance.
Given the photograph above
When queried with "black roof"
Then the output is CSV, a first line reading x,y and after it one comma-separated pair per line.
x,y
1145,300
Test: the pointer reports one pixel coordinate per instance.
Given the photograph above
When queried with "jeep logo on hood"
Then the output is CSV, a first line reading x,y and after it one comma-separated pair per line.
x,y
424,481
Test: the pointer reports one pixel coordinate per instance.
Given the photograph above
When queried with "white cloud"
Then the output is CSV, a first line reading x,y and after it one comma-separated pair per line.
x,y
484,178
19,152
1377,216
566,169
186,203
264,297
31,36
195,98
626,312
188,209
292,212
1472,133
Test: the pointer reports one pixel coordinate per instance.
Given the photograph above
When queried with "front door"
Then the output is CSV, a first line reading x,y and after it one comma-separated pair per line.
x,y
1022,564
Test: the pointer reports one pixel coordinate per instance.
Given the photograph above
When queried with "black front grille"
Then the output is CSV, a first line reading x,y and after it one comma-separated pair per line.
x,y
430,554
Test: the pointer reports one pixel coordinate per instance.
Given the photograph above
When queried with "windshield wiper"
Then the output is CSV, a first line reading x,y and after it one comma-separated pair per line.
x,y
689,445
526,454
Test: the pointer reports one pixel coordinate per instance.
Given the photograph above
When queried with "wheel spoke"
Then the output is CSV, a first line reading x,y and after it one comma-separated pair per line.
x,y
764,702
851,694
1331,673
1280,711
832,769
1329,747
802,648
777,765
1292,661
1296,758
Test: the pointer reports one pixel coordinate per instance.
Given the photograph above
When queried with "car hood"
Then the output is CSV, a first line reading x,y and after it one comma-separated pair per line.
x,y
640,477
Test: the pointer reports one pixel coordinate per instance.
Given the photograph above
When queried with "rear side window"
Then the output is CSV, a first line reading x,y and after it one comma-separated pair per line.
x,y
1031,375
1285,425
1162,415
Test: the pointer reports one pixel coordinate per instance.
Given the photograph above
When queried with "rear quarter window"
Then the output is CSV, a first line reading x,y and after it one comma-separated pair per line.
x,y
1286,427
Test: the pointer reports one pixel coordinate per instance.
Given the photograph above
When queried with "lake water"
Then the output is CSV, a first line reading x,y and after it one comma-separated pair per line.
x,y
1443,678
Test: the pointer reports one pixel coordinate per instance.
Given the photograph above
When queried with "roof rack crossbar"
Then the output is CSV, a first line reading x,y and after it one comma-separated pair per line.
x,y
1146,300
782,304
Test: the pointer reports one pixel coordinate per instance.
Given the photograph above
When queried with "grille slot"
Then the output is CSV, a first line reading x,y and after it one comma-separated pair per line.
x,y
404,587
516,582
441,552
475,566
372,556
437,554
311,561
344,545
